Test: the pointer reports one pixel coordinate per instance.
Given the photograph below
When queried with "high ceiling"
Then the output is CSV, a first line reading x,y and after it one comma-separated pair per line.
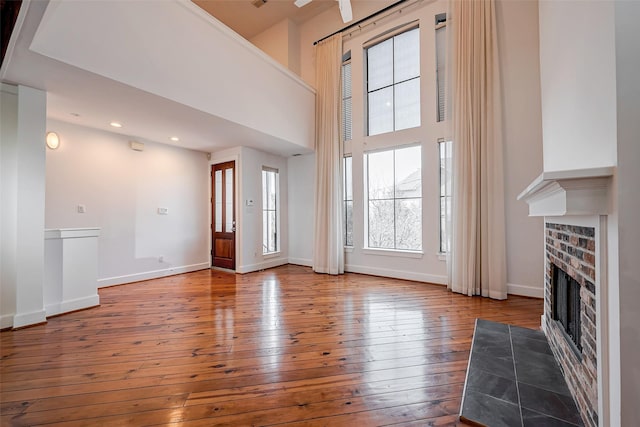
x,y
248,20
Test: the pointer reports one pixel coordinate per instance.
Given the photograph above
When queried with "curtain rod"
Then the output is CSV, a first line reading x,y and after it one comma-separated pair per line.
x,y
391,6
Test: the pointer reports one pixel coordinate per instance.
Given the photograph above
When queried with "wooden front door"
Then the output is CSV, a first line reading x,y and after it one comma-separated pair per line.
x,y
223,208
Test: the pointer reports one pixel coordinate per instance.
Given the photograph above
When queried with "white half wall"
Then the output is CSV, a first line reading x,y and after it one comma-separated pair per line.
x,y
578,83
121,191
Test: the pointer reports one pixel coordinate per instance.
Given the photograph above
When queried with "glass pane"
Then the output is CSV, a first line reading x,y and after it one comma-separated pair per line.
x,y
407,102
380,105
264,190
381,224
441,49
218,194
380,65
346,119
409,224
272,190
346,80
348,187
443,224
265,232
272,231
380,175
228,181
408,172
349,223
406,51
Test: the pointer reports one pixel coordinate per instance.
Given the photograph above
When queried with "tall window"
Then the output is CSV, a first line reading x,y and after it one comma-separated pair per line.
x,y
393,83
270,195
346,97
441,60
348,201
394,198
445,194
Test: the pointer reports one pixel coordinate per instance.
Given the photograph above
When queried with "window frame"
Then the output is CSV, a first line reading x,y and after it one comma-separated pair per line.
x,y
346,199
346,125
391,35
445,193
276,209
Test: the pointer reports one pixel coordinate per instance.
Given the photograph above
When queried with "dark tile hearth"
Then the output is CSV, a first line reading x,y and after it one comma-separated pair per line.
x,y
514,380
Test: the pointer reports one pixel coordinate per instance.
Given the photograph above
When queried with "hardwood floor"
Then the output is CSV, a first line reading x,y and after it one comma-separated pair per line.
x,y
283,346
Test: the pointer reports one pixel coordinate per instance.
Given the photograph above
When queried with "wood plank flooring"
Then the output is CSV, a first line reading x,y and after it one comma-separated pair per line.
x,y
280,347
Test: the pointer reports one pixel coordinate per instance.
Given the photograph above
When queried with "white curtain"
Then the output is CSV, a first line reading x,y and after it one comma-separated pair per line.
x,y
477,263
328,253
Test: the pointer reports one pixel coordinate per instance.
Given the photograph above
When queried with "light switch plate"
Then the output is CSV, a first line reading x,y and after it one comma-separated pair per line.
x,y
163,211
82,208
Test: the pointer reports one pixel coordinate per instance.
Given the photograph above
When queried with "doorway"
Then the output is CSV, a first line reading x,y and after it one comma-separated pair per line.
x,y
223,208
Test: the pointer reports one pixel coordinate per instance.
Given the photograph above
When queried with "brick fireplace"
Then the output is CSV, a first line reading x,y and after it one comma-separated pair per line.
x,y
571,249
575,206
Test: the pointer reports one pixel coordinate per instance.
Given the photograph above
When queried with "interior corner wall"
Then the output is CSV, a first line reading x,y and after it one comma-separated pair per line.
x,y
250,181
301,208
517,23
578,84
23,190
276,42
121,191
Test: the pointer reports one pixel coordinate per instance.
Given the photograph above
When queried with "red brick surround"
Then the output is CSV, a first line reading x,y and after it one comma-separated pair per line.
x,y
572,248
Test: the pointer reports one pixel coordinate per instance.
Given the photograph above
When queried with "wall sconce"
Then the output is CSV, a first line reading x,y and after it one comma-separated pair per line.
x,y
53,140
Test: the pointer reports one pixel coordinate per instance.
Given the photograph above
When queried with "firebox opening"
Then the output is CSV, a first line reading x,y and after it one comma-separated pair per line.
x,y
566,307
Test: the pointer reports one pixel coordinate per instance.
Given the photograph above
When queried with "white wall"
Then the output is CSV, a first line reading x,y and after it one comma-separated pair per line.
x,y
301,208
627,16
522,132
249,163
23,189
122,190
577,74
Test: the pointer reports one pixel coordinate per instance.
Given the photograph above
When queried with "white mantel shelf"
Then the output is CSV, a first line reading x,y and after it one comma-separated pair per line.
x,y
569,192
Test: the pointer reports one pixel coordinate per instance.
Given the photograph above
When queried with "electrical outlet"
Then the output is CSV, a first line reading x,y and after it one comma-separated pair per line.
x,y
160,258
163,211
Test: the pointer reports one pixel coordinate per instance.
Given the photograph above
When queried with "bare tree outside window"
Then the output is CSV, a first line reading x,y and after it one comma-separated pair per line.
x,y
394,189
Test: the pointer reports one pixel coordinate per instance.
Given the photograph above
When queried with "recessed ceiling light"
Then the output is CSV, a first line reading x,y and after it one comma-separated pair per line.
x,y
116,124
174,139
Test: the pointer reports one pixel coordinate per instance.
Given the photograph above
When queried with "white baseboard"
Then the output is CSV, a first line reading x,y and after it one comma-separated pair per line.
x,y
72,305
155,274
525,291
6,321
26,319
397,274
301,261
275,262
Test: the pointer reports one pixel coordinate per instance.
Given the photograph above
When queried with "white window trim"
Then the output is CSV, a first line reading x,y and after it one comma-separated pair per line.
x,y
403,253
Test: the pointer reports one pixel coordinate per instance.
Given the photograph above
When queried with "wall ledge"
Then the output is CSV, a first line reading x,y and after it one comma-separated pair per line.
x,y
569,192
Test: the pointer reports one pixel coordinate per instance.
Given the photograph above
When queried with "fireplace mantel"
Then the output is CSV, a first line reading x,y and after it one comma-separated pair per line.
x,y
569,192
